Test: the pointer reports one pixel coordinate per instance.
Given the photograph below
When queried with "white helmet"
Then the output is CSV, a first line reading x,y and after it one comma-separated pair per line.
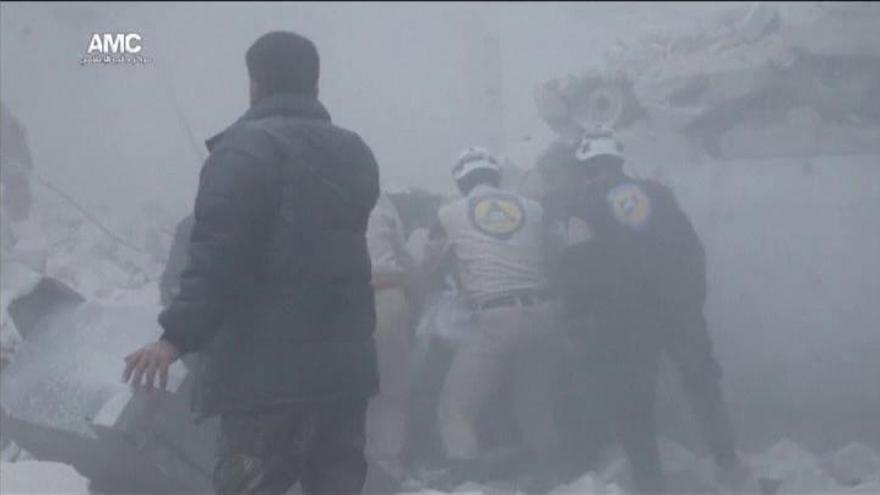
x,y
474,158
599,142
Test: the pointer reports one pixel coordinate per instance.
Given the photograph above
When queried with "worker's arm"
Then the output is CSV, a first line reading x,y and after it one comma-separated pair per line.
x,y
683,257
393,265
555,242
437,250
233,210
232,214
169,282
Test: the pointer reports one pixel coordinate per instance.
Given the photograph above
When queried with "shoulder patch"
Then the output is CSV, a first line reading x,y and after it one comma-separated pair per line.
x,y
497,215
630,205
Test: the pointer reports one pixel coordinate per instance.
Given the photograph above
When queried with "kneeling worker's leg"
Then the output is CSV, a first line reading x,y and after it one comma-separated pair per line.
x,y
471,378
536,377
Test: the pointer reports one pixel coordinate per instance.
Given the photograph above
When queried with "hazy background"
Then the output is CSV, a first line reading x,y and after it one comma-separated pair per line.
x,y
793,243
400,74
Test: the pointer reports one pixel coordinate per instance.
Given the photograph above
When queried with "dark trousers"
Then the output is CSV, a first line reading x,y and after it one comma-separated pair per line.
x,y
625,373
623,361
320,445
689,347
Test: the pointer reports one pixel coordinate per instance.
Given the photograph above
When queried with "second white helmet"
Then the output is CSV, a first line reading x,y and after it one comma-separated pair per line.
x,y
474,158
596,143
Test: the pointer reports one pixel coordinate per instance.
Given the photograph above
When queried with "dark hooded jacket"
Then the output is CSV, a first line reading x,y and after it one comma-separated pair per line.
x,y
277,286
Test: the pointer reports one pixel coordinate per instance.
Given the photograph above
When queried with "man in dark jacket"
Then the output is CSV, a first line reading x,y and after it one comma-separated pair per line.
x,y
277,291
634,290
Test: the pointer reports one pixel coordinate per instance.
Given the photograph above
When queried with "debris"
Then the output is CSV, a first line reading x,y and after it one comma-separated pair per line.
x,y
65,403
41,477
737,76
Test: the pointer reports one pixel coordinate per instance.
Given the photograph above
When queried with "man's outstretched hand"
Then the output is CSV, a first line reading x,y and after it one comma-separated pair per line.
x,y
142,365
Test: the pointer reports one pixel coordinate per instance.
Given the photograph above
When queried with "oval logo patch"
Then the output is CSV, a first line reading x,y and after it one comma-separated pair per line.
x,y
630,205
498,216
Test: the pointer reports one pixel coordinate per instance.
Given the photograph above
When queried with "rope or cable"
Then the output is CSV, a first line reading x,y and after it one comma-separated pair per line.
x,y
88,216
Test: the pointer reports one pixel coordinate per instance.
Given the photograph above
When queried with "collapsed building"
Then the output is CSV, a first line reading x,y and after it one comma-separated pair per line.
x,y
810,67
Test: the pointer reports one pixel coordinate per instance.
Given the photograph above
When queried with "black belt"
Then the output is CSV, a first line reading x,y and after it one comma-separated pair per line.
x,y
531,298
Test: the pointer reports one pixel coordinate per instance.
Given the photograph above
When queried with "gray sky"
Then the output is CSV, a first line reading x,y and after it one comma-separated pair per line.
x,y
405,76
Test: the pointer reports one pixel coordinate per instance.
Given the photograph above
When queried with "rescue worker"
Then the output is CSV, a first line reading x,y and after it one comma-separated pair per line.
x,y
641,278
277,290
497,241
393,269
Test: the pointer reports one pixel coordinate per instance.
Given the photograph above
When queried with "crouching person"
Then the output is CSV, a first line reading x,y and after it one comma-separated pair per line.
x,y
497,243
276,292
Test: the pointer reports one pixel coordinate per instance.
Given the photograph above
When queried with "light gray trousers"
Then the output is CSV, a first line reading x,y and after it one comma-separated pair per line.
x,y
386,415
521,343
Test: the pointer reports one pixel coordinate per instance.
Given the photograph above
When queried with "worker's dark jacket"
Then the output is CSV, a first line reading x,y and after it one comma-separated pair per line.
x,y
277,288
644,266
169,282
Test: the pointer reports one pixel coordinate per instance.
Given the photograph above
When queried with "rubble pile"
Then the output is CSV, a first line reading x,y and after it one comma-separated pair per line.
x,y
60,358
806,68
41,477
62,243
